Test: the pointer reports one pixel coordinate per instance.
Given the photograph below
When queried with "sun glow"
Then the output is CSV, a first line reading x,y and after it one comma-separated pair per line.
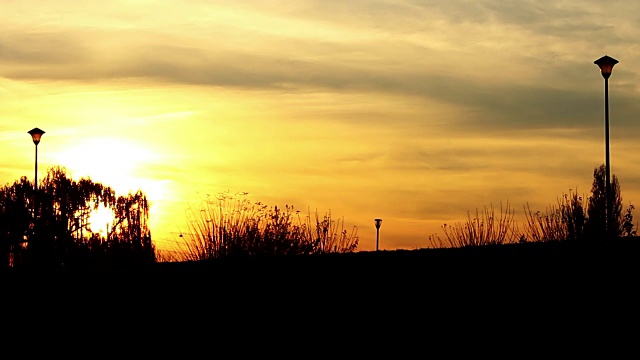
x,y
123,165
101,220
116,163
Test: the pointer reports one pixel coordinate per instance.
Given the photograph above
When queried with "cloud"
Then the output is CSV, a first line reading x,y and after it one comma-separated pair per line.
x,y
393,52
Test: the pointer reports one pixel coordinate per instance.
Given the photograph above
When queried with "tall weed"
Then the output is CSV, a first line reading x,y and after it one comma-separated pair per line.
x,y
233,226
485,228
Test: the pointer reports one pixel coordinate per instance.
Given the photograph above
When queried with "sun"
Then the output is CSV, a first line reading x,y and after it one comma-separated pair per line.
x,y
101,220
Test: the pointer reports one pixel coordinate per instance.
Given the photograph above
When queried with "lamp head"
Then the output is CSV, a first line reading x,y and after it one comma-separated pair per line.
x,y
378,222
606,65
36,134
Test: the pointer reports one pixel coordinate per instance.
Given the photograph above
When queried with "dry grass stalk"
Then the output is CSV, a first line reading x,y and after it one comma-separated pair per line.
x,y
483,229
233,226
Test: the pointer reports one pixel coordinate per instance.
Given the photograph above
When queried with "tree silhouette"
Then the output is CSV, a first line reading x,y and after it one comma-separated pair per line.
x,y
59,233
129,239
16,220
621,225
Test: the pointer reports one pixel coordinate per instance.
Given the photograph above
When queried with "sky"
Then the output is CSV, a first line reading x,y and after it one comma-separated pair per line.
x,y
415,112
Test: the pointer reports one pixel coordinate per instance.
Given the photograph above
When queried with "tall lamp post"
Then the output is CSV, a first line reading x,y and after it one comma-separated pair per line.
x,y
378,222
606,64
36,134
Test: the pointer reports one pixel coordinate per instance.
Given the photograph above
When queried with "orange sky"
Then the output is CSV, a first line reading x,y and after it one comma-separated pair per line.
x,y
411,112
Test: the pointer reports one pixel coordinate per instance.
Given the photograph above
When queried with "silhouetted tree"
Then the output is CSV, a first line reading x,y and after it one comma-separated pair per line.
x,y
16,220
60,233
64,207
621,225
130,237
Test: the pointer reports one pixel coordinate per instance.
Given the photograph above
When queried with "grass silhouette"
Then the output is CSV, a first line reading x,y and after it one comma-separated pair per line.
x,y
232,226
485,228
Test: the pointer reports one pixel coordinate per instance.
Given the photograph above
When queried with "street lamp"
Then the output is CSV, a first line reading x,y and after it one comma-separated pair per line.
x,y
378,222
606,64
36,134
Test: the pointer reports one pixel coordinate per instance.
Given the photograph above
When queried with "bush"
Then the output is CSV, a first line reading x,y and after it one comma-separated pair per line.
x,y
572,219
566,221
483,229
232,226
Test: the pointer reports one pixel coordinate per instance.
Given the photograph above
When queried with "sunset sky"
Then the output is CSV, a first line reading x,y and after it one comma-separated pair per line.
x,y
411,111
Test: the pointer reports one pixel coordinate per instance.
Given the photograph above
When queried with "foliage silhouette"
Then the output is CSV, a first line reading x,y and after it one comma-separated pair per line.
x,y
566,221
621,224
572,219
50,227
485,228
231,226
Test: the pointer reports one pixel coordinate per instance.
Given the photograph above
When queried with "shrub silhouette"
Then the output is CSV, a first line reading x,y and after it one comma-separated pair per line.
x,y
485,228
566,221
231,226
571,219
575,219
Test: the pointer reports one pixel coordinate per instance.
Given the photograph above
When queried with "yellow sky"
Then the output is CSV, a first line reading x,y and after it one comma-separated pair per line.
x,y
413,112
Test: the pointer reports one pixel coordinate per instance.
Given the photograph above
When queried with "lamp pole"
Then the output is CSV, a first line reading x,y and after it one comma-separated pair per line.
x,y
606,64
378,222
36,134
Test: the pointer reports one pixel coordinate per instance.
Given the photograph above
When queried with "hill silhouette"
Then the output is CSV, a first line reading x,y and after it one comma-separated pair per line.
x,y
517,284
543,260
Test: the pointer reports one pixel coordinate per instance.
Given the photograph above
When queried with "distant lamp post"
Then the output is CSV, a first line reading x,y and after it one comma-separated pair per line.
x,y
36,134
378,223
606,64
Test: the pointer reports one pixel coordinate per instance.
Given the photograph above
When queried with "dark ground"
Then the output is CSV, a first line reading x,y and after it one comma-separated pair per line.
x,y
544,292
501,265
